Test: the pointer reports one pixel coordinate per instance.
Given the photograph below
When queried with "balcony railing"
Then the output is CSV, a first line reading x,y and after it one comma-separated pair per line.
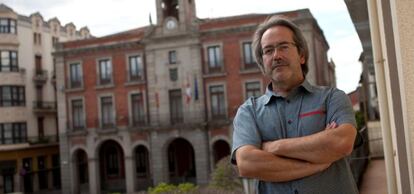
x,y
49,139
155,121
44,106
40,76
75,127
248,67
218,68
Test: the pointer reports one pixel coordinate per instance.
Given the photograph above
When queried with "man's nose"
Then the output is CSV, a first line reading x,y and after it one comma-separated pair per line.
x,y
276,54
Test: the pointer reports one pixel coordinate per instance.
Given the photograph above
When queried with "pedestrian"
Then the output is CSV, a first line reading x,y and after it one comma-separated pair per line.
x,y
295,137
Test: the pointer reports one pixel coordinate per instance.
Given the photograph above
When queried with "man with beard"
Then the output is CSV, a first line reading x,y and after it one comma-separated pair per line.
x,y
294,138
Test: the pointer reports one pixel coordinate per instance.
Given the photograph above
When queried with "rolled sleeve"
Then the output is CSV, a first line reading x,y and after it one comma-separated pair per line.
x,y
245,130
340,109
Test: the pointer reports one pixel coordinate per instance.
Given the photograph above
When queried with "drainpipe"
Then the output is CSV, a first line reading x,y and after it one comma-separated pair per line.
x,y
382,95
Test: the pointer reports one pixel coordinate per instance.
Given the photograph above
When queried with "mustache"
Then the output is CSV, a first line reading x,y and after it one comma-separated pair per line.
x,y
278,63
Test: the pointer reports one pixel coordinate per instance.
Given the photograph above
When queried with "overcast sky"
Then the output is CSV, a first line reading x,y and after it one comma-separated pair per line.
x,y
104,17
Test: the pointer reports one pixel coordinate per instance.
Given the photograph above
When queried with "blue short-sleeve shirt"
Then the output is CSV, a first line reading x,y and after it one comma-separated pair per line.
x,y
307,110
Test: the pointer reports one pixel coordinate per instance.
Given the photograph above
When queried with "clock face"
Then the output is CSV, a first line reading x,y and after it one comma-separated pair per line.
x,y
171,24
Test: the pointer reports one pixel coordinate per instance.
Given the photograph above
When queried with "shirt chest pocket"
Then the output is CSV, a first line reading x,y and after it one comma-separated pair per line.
x,y
312,121
269,126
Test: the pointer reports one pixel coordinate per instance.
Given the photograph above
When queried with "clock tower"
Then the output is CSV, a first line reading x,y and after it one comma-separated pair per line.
x,y
174,74
176,15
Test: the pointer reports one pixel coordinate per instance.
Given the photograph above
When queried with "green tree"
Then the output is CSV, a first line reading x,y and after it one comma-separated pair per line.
x,y
225,176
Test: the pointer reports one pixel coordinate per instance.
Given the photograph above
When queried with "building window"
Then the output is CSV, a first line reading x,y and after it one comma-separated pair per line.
x,y
7,26
78,121
111,157
176,106
252,89
82,166
218,109
75,75
55,40
55,28
12,96
38,64
173,74
248,55
172,57
141,162
138,115
214,59
40,126
136,68
107,113
105,71
11,133
8,61
37,38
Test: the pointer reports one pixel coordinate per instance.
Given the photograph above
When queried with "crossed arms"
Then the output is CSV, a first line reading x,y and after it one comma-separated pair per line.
x,y
294,158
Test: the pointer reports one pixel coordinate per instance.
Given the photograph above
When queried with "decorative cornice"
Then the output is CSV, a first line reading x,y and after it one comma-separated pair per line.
x,y
230,30
97,48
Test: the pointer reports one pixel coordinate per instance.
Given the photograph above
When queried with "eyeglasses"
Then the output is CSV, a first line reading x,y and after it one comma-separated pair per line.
x,y
282,47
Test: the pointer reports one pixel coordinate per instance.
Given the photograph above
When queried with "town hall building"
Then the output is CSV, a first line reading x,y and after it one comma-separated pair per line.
x,y
156,103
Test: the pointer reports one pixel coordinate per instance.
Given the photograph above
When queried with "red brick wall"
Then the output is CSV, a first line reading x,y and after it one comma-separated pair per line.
x,y
233,61
232,54
119,91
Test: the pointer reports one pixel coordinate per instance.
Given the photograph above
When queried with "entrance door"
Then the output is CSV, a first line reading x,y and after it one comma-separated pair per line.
x,y
28,176
8,183
181,161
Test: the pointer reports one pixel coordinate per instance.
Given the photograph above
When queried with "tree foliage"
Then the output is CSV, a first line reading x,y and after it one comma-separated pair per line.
x,y
225,176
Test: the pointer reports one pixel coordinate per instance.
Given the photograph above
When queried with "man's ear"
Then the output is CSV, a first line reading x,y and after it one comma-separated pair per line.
x,y
302,59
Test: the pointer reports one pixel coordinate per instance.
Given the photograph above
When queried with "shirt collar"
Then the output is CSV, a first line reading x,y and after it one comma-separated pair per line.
x,y
270,94
307,86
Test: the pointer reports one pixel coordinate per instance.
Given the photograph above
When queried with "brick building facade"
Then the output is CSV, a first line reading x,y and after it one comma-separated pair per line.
x,y
155,104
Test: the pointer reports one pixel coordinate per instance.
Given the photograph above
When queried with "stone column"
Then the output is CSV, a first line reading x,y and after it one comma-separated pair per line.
x,y
16,180
158,161
129,175
94,176
64,146
201,154
75,177
66,166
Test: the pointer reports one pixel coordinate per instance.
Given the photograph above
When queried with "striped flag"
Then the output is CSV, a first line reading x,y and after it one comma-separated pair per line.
x,y
195,88
188,91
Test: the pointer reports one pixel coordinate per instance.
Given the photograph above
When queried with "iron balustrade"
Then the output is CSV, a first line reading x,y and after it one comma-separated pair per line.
x,y
44,105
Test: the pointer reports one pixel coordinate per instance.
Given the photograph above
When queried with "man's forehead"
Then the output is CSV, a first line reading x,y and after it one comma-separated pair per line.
x,y
276,35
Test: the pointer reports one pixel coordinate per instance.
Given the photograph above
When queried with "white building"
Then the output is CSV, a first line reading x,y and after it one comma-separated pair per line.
x,y
29,151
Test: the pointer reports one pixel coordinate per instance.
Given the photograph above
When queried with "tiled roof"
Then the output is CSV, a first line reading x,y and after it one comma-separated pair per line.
x,y
5,8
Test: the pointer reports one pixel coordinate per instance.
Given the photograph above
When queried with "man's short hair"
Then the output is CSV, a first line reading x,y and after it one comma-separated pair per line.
x,y
298,38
